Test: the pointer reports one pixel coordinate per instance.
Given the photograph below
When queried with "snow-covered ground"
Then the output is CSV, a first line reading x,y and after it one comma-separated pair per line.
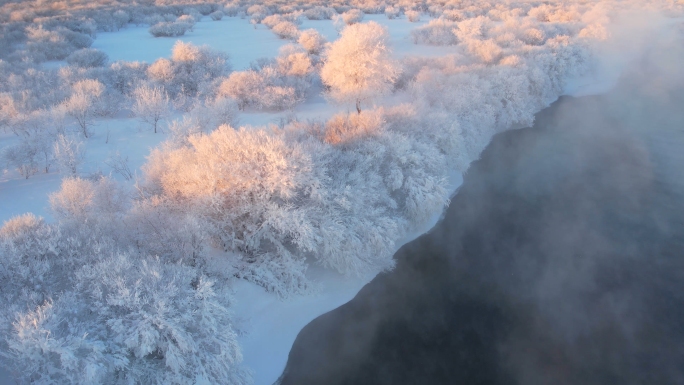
x,y
237,37
243,41
267,325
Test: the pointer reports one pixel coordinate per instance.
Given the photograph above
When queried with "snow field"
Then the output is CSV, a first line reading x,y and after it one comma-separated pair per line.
x,y
455,98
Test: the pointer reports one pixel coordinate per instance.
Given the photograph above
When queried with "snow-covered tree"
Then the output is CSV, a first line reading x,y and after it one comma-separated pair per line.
x,y
32,154
169,29
69,153
87,58
312,41
241,181
392,12
359,65
216,15
82,104
190,69
436,32
352,16
151,105
286,30
413,16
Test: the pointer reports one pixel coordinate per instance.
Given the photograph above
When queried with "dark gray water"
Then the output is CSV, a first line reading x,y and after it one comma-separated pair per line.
x,y
559,261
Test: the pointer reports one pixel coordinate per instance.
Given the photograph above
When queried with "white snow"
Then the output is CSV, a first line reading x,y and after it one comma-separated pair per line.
x,y
240,39
268,325
122,135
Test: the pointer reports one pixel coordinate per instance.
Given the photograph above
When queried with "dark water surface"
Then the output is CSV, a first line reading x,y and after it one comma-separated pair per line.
x,y
559,261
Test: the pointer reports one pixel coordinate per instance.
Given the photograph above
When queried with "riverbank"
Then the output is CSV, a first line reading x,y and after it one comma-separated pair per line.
x,y
558,261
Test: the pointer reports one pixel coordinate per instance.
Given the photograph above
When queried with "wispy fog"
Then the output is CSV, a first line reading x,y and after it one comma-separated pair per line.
x,y
559,261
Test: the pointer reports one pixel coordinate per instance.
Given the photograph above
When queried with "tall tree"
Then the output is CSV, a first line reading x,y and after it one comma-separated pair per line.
x,y
359,65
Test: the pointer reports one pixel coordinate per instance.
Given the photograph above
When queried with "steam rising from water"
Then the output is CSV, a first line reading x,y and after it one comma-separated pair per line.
x,y
560,260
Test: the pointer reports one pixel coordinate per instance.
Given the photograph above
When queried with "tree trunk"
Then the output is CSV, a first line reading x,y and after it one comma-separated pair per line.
x,y
358,105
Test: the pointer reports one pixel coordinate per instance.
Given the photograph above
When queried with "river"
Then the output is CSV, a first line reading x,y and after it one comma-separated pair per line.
x,y
560,260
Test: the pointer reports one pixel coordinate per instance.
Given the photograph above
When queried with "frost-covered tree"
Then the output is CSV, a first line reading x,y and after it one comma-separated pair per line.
x,y
69,153
241,183
436,32
352,16
286,30
413,16
312,41
359,65
83,103
278,84
151,105
121,18
319,13
22,157
170,29
190,69
32,154
87,58
392,12
166,323
216,15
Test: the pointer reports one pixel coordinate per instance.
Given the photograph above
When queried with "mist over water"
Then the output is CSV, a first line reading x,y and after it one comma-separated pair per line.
x,y
559,261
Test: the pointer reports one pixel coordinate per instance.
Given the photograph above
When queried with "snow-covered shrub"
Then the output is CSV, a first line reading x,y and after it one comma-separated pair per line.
x,y
154,19
74,200
392,12
77,39
485,50
473,29
126,76
203,118
352,16
47,45
271,84
190,19
69,154
9,110
151,105
157,227
166,323
350,128
181,130
22,157
257,13
169,29
312,41
121,18
263,89
454,15
294,62
436,32
221,111
231,10
33,153
87,58
413,16
161,70
190,68
216,15
272,21
286,30
319,13
359,65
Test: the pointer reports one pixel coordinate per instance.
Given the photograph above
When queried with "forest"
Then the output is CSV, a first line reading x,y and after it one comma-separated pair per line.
x,y
128,275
